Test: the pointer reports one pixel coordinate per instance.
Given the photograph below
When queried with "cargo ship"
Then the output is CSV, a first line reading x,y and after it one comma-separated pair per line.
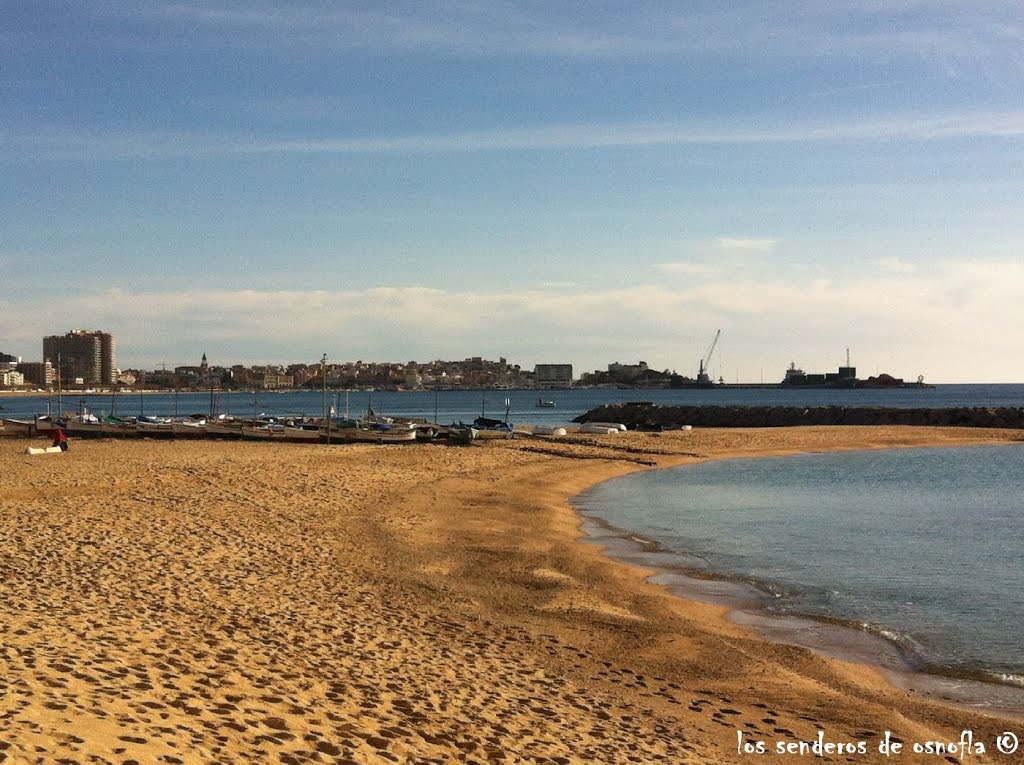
x,y
845,377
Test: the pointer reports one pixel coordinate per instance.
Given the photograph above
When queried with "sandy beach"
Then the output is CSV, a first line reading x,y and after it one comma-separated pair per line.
x,y
207,602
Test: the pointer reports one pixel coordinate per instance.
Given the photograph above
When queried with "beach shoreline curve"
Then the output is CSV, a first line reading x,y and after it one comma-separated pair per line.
x,y
253,602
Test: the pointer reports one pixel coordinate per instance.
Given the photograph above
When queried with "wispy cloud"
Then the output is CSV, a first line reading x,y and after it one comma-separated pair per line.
x,y
647,134
960,33
686,268
558,285
101,145
870,86
746,244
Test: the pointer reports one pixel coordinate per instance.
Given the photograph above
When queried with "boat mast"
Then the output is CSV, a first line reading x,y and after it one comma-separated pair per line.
x,y
327,419
323,373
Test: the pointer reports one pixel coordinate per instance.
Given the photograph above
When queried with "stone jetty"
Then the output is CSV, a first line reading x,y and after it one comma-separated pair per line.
x,y
647,416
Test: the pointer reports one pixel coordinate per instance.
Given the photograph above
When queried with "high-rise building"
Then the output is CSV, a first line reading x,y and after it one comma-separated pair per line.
x,y
83,355
553,375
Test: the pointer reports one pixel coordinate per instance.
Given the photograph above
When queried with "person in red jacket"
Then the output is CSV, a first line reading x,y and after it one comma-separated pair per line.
x,y
60,438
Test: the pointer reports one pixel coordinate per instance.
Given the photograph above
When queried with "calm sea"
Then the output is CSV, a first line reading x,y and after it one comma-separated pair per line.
x,y
465,405
920,547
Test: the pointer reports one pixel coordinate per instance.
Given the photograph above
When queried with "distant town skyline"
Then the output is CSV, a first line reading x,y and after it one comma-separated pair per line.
x,y
269,181
713,368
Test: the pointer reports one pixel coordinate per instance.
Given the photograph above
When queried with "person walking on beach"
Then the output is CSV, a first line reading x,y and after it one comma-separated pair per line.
x,y
60,438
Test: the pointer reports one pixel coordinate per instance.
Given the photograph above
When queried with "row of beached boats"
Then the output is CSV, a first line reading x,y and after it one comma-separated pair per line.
x,y
371,429
379,430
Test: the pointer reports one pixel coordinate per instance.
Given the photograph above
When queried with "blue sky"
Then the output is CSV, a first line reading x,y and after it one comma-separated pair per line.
x,y
550,182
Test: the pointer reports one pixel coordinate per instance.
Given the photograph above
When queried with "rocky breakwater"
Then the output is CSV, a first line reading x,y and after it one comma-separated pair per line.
x,y
646,416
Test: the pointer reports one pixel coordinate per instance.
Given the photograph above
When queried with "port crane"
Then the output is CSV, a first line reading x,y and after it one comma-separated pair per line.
x,y
702,375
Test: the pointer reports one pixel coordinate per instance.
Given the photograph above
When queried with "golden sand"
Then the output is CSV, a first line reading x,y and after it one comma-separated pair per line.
x,y
249,602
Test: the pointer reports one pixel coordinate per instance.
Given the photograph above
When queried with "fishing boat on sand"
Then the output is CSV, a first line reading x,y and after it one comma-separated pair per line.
x,y
302,433
14,427
602,428
190,428
224,427
487,427
460,434
548,430
160,427
372,433
263,431
84,426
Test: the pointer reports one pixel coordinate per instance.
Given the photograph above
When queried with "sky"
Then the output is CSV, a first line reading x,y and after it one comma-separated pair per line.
x,y
550,182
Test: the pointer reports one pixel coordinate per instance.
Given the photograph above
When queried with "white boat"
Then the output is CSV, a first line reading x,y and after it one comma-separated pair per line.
x,y
84,425
150,426
114,426
460,434
45,424
609,425
224,429
375,435
12,427
188,428
304,435
546,403
599,428
548,430
490,434
264,432
492,429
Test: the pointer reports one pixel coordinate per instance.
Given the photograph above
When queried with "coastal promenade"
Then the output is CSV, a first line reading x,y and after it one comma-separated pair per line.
x,y
259,602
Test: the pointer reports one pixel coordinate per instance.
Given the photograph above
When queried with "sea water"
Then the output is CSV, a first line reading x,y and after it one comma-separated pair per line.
x,y
447,406
923,547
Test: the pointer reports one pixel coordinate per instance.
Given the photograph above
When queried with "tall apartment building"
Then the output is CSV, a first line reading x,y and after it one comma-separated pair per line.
x,y
553,375
83,355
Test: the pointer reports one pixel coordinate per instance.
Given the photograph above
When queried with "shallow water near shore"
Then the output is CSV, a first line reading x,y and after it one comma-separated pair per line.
x,y
905,559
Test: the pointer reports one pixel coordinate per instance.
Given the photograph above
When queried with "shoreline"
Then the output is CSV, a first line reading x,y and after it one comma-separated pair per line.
x,y
748,605
252,602
743,603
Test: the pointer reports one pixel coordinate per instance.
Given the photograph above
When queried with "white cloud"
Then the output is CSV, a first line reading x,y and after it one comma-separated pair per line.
x,y
896,265
558,285
686,268
945,323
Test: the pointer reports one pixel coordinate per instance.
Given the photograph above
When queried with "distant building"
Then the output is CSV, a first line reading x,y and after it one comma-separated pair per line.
x,y
626,373
83,355
38,373
553,375
270,378
10,377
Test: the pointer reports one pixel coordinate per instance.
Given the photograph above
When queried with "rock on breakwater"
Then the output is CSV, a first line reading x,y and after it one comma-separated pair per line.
x,y
647,416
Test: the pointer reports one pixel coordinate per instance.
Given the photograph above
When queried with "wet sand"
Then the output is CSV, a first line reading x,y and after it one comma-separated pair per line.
x,y
223,602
